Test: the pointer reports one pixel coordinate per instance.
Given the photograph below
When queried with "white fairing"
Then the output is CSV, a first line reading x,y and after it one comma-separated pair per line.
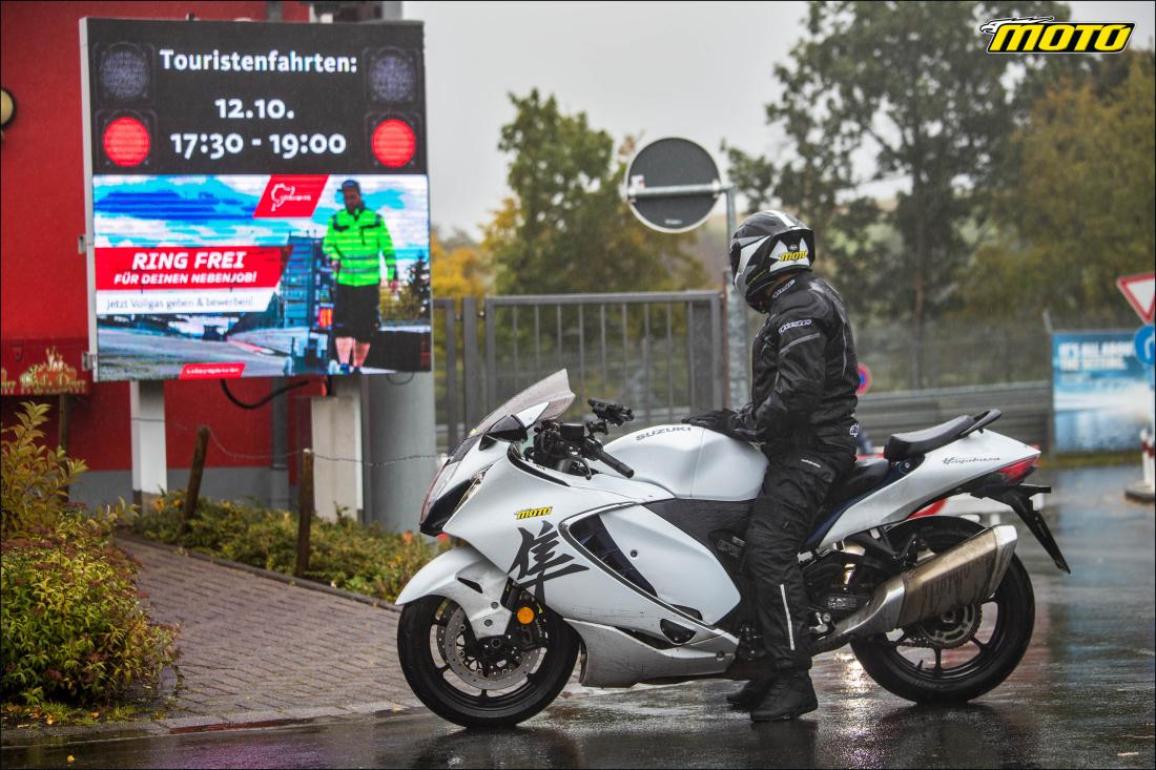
x,y
542,544
941,471
682,571
692,462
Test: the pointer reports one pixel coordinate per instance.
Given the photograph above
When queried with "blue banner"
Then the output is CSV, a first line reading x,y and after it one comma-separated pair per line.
x,y
1101,392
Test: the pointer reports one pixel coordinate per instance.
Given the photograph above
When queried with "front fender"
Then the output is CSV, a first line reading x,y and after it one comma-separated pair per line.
x,y
469,579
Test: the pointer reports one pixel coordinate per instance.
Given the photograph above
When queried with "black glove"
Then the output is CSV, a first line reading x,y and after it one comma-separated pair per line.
x,y
720,421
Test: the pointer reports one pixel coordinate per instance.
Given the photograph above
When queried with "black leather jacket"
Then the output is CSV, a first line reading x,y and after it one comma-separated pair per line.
x,y
804,371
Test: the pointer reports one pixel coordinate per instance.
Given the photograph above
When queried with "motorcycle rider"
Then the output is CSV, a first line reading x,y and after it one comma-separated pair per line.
x,y
802,412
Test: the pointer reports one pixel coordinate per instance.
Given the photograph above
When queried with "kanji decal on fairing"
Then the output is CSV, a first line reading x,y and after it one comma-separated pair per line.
x,y
537,561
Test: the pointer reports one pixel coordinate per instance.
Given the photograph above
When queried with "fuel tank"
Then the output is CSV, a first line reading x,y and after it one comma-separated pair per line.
x,y
692,462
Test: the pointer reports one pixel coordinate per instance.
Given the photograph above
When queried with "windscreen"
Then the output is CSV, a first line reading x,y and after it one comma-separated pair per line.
x,y
554,390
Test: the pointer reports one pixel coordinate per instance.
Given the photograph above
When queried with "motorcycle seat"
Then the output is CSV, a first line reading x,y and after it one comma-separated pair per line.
x,y
863,476
904,445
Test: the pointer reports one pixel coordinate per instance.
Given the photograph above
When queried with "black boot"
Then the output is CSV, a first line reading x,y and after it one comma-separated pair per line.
x,y
791,696
752,693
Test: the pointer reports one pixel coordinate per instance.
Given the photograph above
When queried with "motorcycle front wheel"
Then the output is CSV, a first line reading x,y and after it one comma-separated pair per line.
x,y
495,682
963,653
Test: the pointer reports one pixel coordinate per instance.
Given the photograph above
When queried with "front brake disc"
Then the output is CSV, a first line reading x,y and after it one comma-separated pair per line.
x,y
487,669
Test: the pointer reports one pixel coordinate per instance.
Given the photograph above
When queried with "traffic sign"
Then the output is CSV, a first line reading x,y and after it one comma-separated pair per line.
x,y
672,185
864,380
1145,344
1140,291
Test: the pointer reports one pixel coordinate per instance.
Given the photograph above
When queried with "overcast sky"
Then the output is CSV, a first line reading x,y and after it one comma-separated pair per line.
x,y
694,69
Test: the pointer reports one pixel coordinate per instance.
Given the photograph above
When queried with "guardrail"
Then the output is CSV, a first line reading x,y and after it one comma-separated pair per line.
x,y
1026,408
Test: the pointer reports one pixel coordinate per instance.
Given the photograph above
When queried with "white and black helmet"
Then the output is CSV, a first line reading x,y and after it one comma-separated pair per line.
x,y
765,246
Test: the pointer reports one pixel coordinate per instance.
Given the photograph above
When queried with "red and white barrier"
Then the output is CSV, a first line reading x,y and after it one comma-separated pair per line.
x,y
1145,490
1148,448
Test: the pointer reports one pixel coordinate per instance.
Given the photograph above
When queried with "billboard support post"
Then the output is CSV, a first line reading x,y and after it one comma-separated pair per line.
x,y
402,445
147,426
337,450
279,467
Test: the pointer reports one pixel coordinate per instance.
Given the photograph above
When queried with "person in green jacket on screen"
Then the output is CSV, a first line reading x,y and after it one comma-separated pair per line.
x,y
356,240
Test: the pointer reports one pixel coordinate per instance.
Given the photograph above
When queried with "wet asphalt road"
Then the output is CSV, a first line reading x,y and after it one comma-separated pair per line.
x,y
1082,697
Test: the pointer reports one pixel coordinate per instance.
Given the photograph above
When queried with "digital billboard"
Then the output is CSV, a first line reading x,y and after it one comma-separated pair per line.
x,y
258,202
1102,393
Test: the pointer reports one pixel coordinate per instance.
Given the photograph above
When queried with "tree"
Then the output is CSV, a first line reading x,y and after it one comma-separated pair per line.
x,y
460,269
911,85
565,228
1078,212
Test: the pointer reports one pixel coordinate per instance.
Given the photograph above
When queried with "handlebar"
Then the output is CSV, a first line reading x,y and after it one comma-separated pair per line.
x,y
598,453
559,441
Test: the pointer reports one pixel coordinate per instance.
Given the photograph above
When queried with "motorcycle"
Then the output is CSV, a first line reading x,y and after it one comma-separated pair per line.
x,y
632,555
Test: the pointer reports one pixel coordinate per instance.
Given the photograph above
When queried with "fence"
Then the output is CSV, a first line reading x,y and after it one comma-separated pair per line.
x,y
658,352
664,355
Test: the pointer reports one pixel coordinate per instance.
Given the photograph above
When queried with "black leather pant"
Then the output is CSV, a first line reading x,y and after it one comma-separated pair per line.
x,y
794,488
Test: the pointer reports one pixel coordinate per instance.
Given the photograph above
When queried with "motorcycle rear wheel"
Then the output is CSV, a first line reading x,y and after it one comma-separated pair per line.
x,y
459,680
947,660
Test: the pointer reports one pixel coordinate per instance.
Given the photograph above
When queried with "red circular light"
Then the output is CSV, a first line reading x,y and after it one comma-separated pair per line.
x,y
394,143
126,141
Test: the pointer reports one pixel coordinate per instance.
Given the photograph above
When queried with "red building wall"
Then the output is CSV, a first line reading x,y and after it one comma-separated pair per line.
x,y
42,277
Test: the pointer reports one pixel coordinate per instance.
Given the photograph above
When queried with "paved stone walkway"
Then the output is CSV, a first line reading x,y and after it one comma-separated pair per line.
x,y
255,649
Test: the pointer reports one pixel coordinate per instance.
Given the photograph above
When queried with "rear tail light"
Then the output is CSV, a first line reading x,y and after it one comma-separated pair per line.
x,y
1017,471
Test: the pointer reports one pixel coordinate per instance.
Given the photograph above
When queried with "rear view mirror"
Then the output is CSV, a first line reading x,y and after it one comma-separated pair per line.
x,y
509,428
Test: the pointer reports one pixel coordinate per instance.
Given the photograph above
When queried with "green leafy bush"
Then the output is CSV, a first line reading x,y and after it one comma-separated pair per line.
x,y
35,479
343,554
71,624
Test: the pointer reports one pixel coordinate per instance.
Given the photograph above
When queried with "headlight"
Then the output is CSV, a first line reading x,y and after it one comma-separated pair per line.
x,y
443,507
436,488
472,488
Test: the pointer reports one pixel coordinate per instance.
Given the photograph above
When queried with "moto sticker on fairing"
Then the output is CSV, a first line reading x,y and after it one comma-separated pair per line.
x,y
537,564
533,513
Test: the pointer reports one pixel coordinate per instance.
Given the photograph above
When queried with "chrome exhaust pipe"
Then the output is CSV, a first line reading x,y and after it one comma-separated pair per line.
x,y
962,575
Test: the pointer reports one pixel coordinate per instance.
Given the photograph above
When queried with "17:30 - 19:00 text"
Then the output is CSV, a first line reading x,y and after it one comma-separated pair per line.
x,y
287,146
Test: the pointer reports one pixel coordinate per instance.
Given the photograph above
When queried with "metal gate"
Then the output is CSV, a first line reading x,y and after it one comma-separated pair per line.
x,y
661,353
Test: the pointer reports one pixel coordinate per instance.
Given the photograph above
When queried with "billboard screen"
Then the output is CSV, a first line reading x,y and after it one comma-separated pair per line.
x,y
258,199
1102,393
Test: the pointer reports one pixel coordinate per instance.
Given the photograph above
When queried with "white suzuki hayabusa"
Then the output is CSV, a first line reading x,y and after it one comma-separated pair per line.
x,y
632,554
